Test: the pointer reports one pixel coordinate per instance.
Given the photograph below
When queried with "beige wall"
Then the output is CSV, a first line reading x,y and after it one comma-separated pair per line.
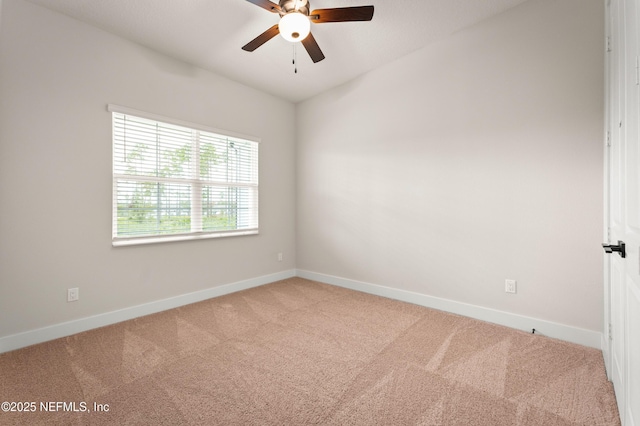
x,y
57,76
476,159
468,162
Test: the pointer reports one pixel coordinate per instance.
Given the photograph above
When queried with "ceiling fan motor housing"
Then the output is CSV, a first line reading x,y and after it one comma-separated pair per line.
x,y
301,6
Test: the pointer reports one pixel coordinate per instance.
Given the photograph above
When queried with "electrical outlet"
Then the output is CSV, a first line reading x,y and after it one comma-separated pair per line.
x,y
73,294
510,286
279,257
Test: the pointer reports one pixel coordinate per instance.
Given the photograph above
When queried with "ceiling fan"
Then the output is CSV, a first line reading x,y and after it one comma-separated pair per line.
x,y
295,23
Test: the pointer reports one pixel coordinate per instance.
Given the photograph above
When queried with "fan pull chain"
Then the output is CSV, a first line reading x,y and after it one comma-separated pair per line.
x,y
295,66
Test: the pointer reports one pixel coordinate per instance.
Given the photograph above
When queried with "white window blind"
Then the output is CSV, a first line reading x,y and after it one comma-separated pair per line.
x,y
177,181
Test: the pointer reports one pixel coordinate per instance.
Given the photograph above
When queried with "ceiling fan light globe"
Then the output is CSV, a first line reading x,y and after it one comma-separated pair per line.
x,y
294,26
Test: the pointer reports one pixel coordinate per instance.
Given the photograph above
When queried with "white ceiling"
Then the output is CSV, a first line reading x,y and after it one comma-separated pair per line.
x,y
210,33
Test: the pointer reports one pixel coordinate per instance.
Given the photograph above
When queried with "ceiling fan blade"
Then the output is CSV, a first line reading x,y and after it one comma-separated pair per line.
x,y
262,39
313,49
342,14
266,4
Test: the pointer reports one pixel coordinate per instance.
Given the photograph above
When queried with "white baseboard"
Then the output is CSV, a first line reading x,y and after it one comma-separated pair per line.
x,y
546,328
559,331
32,337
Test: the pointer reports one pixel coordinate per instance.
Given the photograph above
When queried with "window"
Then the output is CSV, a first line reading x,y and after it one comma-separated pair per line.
x,y
178,181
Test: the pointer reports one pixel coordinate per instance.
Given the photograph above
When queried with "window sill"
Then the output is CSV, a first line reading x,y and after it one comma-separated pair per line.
x,y
133,241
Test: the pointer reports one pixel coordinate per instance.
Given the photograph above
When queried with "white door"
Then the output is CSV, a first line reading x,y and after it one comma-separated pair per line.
x,y
623,194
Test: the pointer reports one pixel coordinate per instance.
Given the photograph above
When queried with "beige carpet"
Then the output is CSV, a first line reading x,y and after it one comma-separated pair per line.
x,y
297,352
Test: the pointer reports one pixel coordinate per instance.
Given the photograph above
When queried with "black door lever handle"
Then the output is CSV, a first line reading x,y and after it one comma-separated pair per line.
x,y
620,248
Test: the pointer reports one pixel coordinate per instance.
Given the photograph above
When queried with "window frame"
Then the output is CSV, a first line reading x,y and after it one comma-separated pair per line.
x,y
195,180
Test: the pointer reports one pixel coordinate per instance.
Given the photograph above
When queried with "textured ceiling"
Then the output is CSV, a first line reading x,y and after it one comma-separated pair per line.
x,y
210,34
